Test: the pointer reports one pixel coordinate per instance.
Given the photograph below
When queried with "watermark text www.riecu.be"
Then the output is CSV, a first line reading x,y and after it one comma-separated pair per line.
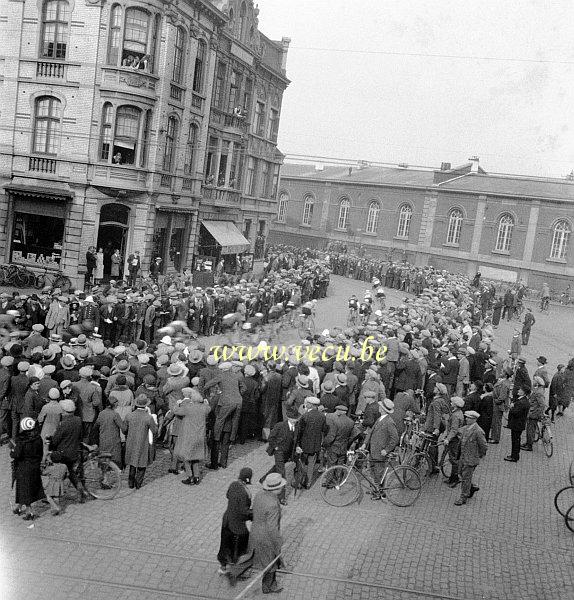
x,y
311,352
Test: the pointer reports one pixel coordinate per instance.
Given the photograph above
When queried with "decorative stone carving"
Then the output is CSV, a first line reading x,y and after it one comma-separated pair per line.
x,y
137,81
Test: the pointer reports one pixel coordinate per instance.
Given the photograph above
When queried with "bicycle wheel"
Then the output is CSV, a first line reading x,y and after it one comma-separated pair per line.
x,y
422,464
20,279
63,282
102,479
340,486
311,325
445,464
40,281
547,441
564,499
569,518
536,433
402,485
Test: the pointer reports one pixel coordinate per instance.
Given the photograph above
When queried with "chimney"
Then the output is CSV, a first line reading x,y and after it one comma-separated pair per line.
x,y
284,49
474,160
445,166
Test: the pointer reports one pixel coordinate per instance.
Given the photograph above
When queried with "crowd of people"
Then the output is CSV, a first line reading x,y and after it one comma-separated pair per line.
x,y
108,377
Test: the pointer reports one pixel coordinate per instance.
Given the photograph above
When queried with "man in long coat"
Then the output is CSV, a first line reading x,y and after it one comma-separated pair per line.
x,y
382,439
138,424
472,450
312,427
336,442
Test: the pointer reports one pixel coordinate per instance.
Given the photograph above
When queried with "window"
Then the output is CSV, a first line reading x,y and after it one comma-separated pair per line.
x,y
275,181
454,226
55,29
115,37
234,91
265,182
247,91
126,135
308,204
282,207
273,125
145,139
178,55
223,159
136,33
504,235
37,238
46,125
190,149
560,238
405,216
199,67
106,136
373,217
234,171
247,229
242,21
343,221
259,118
218,93
212,149
251,178
170,144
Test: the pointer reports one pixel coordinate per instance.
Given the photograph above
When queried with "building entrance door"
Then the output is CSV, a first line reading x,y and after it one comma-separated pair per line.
x,y
112,234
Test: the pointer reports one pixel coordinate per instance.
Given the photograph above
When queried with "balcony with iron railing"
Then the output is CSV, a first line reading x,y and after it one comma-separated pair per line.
x,y
231,122
176,92
197,102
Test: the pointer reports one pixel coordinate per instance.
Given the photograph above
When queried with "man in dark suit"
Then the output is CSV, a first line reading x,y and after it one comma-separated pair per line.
x,y
336,442
312,427
521,378
517,417
281,445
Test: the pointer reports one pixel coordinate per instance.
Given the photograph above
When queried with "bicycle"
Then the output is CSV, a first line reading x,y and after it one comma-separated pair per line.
x,y
544,433
16,275
54,280
544,305
100,475
421,460
340,485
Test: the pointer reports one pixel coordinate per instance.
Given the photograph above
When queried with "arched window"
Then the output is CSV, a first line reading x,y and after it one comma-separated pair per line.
x,y
242,21
309,202
106,137
190,149
560,237
46,125
136,33
373,217
454,226
405,216
199,67
115,36
343,221
55,22
504,235
282,207
170,144
178,55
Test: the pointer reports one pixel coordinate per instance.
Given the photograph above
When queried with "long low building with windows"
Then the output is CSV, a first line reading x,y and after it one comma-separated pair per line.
x,y
462,219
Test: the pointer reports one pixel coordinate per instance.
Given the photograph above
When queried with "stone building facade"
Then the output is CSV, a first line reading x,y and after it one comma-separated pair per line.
x,y
108,110
460,219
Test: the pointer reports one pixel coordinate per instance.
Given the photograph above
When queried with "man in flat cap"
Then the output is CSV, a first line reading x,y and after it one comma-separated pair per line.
x,y
472,450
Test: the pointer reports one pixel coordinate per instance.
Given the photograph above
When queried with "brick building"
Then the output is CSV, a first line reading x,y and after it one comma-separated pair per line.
x,y
461,219
136,125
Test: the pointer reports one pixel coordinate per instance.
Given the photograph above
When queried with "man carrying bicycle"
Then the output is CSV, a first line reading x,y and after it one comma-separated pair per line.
x,y
535,411
65,444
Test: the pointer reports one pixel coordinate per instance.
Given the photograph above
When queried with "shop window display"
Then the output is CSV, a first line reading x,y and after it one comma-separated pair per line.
x,y
37,240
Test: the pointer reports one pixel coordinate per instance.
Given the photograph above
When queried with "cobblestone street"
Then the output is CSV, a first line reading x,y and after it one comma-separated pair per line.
x,y
507,543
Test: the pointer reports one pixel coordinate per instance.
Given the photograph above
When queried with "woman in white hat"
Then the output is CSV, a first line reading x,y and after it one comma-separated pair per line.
x,y
27,456
265,538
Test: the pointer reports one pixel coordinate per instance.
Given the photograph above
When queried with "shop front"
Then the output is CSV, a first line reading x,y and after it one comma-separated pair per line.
x,y
171,238
36,226
221,240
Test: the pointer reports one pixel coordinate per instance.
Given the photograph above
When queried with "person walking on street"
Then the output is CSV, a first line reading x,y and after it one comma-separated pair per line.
x,y
501,402
265,538
529,321
536,409
517,416
452,438
472,450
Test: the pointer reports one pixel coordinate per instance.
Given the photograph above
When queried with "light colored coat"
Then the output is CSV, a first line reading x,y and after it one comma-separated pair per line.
x,y
190,443
138,424
472,445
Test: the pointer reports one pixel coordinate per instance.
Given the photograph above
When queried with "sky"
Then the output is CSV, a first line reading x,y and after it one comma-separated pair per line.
x,y
365,86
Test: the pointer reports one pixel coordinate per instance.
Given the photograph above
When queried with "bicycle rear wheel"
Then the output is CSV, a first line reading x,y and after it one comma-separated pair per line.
x,y
564,499
571,473
422,464
340,486
102,479
63,282
547,441
402,485
569,518
536,433
445,464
